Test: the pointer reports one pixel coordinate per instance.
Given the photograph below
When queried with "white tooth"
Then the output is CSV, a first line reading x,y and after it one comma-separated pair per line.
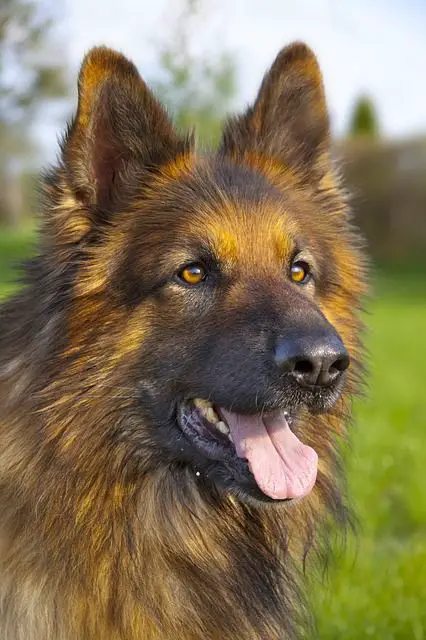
x,y
202,404
222,427
211,416
230,437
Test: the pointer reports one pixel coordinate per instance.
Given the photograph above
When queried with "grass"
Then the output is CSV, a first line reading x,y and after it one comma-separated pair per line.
x,y
15,245
379,589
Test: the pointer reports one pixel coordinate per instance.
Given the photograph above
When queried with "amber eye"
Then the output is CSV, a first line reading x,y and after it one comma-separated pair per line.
x,y
192,274
300,272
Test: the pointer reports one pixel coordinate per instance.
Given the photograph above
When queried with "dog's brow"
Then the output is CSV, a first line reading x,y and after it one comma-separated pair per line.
x,y
202,249
224,244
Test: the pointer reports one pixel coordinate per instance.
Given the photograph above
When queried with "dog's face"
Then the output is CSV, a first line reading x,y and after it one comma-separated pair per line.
x,y
217,283
236,336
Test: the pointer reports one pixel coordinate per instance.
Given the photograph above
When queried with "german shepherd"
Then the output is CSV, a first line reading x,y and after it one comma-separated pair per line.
x,y
177,372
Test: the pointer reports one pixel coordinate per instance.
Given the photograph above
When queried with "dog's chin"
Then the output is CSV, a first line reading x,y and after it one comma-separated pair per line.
x,y
238,482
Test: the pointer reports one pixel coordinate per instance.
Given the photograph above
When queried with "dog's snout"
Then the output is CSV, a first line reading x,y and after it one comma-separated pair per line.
x,y
313,360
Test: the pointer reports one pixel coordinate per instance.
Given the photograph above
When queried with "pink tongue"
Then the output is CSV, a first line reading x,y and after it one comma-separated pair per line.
x,y
282,465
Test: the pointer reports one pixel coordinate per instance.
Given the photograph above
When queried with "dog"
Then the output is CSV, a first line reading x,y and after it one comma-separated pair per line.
x,y
178,370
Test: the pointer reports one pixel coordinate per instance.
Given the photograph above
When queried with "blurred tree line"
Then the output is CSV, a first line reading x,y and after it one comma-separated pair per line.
x,y
199,89
387,182
31,76
387,179
387,185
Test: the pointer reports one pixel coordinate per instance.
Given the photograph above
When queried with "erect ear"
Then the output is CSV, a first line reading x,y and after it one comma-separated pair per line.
x,y
289,120
119,128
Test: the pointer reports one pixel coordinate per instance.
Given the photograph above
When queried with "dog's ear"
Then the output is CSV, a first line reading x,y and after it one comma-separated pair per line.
x,y
289,120
119,126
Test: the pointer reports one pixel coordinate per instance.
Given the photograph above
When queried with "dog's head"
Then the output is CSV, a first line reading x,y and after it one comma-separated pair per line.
x,y
214,296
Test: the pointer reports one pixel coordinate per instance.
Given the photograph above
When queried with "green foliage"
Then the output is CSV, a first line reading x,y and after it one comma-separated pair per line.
x,y
31,74
364,121
197,90
31,69
15,246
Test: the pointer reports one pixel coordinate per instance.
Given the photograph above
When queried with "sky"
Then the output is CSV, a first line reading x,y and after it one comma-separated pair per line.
x,y
374,47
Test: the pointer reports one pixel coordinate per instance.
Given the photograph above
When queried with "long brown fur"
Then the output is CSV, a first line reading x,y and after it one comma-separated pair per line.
x,y
99,539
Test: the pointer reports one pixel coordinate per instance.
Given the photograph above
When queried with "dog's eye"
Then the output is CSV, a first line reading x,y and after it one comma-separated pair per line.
x,y
192,274
300,272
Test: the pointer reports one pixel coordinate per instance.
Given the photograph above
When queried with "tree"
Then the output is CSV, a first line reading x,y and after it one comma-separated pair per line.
x,y
198,90
31,73
364,120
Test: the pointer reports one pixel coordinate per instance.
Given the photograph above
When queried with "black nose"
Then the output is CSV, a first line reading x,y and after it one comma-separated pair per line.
x,y
312,360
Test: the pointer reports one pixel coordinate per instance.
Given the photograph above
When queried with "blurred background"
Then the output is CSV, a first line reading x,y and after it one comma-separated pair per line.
x,y
206,58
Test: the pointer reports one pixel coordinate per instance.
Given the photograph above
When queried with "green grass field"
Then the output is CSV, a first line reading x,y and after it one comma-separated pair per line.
x,y
379,589
14,247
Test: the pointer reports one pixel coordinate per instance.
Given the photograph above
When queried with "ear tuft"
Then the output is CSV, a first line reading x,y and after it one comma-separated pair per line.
x,y
289,119
100,65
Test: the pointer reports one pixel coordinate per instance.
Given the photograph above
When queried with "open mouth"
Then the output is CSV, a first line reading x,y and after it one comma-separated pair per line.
x,y
282,466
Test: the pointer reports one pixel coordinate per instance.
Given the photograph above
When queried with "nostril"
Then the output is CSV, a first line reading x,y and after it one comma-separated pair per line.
x,y
339,365
304,367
